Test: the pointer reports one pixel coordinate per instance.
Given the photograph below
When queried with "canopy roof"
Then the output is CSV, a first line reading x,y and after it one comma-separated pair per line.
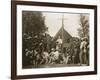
x,y
63,34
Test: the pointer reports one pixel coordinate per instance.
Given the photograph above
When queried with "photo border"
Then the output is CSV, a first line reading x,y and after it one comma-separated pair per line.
x,y
14,39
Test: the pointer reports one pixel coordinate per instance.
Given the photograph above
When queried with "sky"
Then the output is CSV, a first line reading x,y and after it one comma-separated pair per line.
x,y
54,22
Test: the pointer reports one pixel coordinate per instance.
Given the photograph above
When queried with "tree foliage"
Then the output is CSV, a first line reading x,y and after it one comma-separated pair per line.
x,y
33,22
33,30
83,31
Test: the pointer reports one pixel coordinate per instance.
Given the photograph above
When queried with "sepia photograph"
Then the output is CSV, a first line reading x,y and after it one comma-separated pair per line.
x,y
54,39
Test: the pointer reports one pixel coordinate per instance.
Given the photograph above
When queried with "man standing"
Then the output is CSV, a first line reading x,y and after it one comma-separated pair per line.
x,y
58,43
83,51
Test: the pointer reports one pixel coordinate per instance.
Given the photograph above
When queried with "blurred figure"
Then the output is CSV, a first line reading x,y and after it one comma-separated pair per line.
x,y
51,55
66,56
83,51
58,43
45,57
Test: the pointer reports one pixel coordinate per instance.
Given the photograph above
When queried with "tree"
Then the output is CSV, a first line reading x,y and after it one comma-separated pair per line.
x,y
83,31
32,25
33,28
84,34
33,22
